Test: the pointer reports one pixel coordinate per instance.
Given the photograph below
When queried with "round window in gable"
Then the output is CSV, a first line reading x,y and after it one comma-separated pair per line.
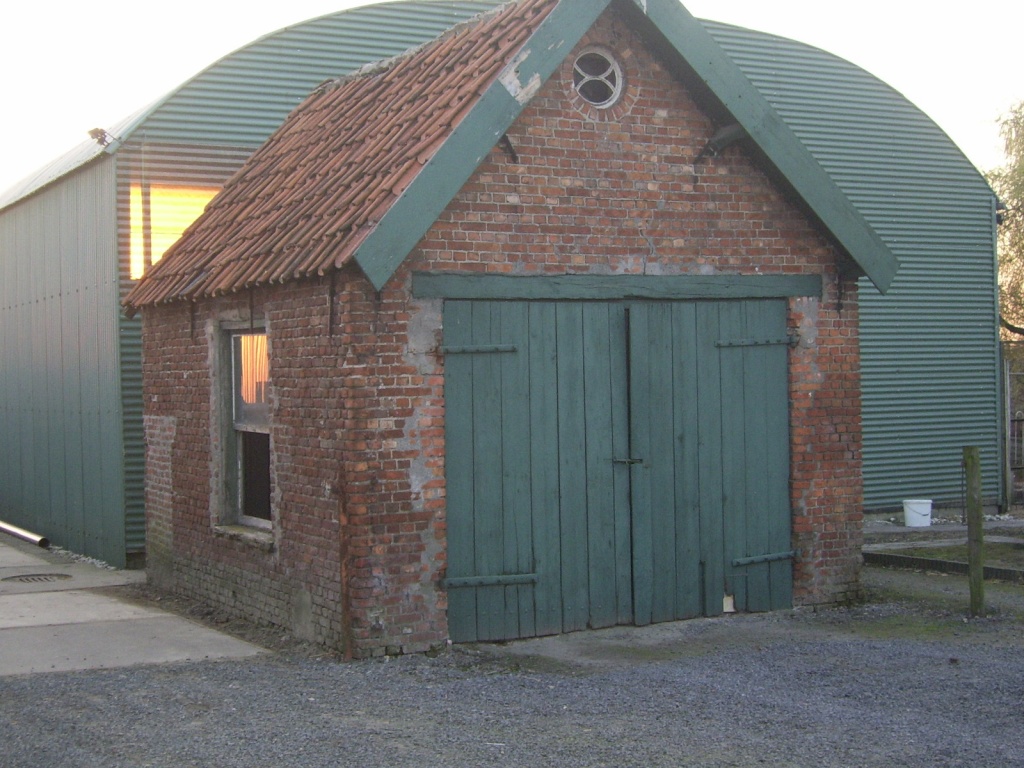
x,y
597,77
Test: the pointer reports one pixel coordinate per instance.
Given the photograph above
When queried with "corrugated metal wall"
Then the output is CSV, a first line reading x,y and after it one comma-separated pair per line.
x,y
930,357
60,415
929,347
72,458
206,129
144,164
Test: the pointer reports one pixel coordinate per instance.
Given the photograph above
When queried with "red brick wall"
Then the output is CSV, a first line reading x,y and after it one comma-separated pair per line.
x,y
825,446
617,191
291,577
358,405
357,467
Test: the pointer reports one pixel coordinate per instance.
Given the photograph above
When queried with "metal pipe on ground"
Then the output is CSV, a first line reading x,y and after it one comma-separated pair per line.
x,y
21,533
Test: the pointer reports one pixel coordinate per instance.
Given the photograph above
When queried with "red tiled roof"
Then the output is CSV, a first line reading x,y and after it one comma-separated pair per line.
x,y
303,203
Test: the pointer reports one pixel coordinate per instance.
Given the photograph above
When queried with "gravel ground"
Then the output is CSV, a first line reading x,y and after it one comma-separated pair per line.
x,y
903,680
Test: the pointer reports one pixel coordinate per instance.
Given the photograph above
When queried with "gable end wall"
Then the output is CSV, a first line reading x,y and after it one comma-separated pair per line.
x,y
357,395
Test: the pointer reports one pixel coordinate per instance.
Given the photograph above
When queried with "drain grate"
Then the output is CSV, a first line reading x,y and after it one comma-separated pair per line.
x,y
37,578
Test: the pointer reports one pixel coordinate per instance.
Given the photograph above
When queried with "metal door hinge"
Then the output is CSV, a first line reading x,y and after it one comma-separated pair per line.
x,y
789,341
767,558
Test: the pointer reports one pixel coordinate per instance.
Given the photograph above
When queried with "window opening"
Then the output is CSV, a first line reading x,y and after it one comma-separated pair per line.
x,y
251,373
251,421
158,215
597,78
254,475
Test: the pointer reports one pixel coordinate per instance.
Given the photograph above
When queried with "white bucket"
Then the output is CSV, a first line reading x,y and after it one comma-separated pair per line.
x,y
917,513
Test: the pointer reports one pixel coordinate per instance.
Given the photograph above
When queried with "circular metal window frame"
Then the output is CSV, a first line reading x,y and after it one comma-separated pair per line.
x,y
597,77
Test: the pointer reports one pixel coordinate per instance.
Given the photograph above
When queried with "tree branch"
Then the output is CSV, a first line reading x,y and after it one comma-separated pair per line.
x,y
1010,326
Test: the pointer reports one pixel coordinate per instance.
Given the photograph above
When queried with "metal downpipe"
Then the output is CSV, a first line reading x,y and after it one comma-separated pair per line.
x,y
21,533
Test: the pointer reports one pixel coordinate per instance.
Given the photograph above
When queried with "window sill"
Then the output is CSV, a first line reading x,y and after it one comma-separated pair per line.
x,y
254,537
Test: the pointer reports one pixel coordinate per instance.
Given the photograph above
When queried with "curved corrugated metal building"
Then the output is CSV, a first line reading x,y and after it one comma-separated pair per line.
x,y
929,347
72,235
71,463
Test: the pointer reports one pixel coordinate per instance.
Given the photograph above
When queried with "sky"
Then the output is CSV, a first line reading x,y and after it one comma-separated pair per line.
x,y
67,67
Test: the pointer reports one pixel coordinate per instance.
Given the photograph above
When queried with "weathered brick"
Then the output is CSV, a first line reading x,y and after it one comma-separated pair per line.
x,y
599,192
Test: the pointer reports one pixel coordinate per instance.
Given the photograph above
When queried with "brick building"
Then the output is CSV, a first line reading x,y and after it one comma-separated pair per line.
x,y
548,324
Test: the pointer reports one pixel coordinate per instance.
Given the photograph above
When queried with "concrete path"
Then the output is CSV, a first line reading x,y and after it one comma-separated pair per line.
x,y
53,620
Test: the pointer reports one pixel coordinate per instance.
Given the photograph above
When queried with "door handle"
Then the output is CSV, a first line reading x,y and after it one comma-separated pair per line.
x,y
627,461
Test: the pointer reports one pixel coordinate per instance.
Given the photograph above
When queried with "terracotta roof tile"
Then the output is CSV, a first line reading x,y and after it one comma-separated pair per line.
x,y
307,198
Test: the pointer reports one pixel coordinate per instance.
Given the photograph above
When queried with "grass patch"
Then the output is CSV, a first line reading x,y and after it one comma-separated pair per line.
x,y
999,554
908,626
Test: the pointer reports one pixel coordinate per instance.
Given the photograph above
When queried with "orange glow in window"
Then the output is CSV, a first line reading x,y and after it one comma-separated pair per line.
x,y
158,222
251,374
254,365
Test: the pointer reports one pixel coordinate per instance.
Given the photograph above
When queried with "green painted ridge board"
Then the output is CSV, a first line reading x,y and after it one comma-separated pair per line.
x,y
444,174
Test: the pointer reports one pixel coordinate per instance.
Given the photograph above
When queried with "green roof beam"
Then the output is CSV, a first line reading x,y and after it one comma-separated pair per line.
x,y
441,178
774,138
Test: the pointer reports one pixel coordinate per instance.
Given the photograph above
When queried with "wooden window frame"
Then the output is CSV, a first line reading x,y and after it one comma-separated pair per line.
x,y
240,424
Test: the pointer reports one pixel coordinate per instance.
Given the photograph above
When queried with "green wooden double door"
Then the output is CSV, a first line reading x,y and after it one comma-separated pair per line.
x,y
614,462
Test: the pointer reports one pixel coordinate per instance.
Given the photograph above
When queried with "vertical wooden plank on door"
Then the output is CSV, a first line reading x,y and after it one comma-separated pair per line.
x,y
757,397
709,458
640,447
660,460
734,490
780,525
487,489
515,432
544,464
597,444
619,371
459,470
687,490
572,467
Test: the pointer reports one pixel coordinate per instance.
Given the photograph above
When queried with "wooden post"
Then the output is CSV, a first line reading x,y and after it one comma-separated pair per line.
x,y
975,531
